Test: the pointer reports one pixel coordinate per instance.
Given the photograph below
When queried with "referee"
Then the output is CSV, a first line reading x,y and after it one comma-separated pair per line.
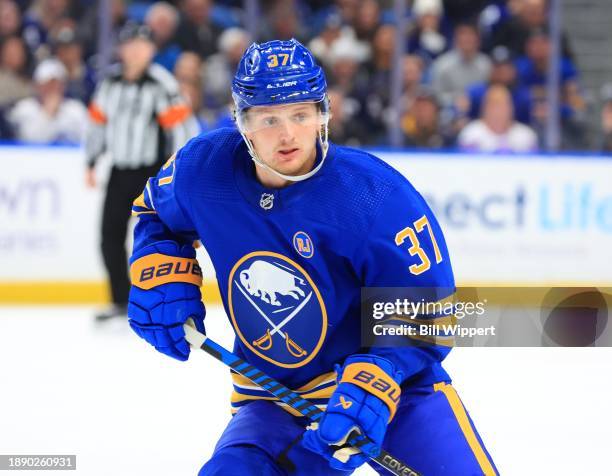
x,y
138,118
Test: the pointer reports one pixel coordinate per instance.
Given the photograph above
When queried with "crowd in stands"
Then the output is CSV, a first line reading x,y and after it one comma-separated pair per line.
x,y
474,73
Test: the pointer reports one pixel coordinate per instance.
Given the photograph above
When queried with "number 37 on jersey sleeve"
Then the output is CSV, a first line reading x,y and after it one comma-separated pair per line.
x,y
411,233
406,245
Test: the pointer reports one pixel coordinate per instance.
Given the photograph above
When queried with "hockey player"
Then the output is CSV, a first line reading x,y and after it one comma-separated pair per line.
x,y
295,226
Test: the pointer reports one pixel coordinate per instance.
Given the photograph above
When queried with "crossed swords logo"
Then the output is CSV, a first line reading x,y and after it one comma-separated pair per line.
x,y
265,341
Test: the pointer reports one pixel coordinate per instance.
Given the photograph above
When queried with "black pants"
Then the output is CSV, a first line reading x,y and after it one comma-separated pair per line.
x,y
122,189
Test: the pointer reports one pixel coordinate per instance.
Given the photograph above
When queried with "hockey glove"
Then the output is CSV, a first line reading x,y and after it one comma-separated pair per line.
x,y
364,401
165,292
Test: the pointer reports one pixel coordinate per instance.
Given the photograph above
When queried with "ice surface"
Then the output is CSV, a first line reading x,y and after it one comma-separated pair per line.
x,y
68,386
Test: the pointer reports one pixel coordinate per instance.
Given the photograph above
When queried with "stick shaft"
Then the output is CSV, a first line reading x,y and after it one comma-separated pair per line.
x,y
285,395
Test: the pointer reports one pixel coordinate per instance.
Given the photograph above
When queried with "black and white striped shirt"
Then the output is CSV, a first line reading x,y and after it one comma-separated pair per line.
x,y
138,123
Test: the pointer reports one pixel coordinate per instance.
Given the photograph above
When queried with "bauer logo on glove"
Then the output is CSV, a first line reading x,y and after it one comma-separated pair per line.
x,y
364,402
155,269
165,292
372,379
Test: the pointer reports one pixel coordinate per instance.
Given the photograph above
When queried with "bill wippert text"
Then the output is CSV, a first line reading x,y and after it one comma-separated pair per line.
x,y
433,330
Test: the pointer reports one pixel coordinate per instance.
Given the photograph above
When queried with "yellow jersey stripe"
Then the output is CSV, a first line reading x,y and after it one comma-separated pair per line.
x,y
241,381
321,387
325,393
285,407
464,423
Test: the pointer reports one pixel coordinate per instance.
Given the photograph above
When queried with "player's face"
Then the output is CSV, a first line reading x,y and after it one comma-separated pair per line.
x,y
284,137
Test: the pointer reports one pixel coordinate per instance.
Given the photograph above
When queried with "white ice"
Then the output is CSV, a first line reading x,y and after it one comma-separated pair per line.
x,y
68,386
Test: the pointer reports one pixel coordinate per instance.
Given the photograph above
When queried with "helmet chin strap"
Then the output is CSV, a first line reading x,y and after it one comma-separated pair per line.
x,y
323,141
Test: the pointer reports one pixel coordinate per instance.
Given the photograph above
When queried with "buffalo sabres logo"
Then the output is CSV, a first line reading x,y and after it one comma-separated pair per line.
x,y
266,201
276,309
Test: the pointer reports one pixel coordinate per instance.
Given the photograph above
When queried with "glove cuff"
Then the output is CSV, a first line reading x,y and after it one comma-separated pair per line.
x,y
164,263
376,376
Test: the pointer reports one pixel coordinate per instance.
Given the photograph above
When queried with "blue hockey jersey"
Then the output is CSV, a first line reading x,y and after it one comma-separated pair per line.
x,y
290,262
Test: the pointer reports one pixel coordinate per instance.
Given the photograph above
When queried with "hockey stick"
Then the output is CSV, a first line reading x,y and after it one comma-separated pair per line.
x,y
285,395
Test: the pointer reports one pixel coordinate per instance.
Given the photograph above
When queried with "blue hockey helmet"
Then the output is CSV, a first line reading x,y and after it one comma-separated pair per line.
x,y
277,72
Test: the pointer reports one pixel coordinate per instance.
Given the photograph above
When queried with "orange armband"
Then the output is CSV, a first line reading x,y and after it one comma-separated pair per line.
x,y
156,269
374,380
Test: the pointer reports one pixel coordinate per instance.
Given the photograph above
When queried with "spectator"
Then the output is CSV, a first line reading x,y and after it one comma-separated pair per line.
x,y
162,18
460,67
88,26
503,72
458,11
10,19
40,19
282,23
188,71
197,31
14,78
533,73
348,77
50,117
426,39
497,131
420,123
321,45
533,66
529,15
606,118
379,66
413,68
68,48
346,57
192,92
221,67
6,131
375,96
14,71
348,10
344,126
367,20
188,68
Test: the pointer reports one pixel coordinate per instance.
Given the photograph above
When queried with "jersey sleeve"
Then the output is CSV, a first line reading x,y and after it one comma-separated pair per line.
x,y
161,209
405,249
